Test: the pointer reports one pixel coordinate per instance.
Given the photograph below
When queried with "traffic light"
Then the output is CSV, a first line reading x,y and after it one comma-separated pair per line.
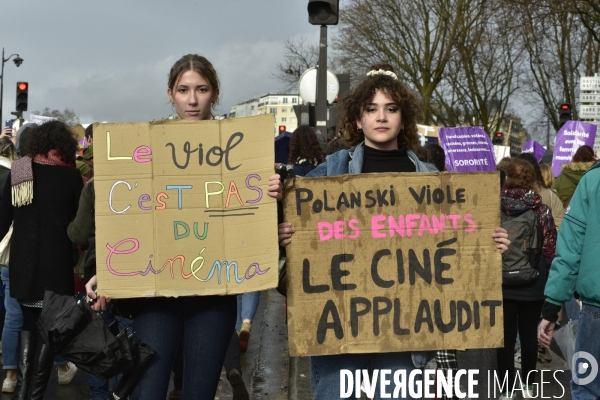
x,y
498,138
564,114
281,129
22,89
323,12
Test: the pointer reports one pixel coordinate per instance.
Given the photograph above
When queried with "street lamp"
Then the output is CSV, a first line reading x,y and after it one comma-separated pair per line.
x,y
18,61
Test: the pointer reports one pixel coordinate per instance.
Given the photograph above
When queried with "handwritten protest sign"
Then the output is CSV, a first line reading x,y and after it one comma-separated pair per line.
x,y
569,138
395,262
468,149
182,207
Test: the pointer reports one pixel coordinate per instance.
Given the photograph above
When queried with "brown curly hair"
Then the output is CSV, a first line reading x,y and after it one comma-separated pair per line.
x,y
584,154
304,144
353,104
520,175
52,135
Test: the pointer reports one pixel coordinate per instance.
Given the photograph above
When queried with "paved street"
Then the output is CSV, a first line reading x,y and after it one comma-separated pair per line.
x,y
271,374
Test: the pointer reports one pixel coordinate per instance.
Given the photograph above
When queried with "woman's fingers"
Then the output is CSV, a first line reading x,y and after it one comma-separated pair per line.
x,y
275,188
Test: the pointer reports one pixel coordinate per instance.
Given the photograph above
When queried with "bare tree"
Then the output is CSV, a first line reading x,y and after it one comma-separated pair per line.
x,y
299,56
482,76
418,38
559,49
67,116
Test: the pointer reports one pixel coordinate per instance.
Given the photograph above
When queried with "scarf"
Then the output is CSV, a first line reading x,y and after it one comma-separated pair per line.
x,y
21,179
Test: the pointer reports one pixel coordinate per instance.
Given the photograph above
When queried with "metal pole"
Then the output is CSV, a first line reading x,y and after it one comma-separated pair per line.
x,y
2,85
321,103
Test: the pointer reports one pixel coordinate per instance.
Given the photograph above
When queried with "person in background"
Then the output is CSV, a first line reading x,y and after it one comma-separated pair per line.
x,y
549,197
202,325
9,133
13,319
575,268
422,153
436,157
85,163
336,145
522,304
39,202
547,175
305,151
572,173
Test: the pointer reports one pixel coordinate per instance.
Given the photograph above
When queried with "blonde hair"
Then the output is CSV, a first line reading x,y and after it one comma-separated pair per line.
x,y
8,149
547,175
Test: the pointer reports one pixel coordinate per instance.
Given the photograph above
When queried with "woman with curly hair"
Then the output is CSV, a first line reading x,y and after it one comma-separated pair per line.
x,y
40,198
522,304
305,150
378,118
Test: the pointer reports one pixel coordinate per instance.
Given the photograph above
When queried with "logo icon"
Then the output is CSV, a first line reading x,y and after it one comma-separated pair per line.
x,y
582,363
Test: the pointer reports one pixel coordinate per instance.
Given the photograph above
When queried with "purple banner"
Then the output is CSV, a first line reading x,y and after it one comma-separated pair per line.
x,y
531,146
569,138
468,149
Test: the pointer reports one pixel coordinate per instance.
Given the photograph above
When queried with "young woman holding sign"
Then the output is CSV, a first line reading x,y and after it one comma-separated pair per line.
x,y
379,118
205,323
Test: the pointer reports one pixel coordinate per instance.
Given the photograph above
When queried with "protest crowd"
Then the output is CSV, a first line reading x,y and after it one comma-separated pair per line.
x,y
48,222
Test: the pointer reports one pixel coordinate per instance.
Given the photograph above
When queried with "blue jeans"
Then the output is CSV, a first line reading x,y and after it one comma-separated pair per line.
x,y
99,386
13,322
587,340
206,322
325,371
247,304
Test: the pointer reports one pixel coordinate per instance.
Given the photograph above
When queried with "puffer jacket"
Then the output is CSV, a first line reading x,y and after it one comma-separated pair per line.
x,y
568,180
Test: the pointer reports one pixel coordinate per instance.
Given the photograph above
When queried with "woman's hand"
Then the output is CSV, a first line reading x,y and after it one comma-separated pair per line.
x,y
275,187
97,303
501,238
285,233
545,331
7,131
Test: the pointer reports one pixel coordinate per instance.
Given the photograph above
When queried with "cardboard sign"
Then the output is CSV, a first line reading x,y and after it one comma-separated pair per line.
x,y
182,207
394,262
468,149
569,138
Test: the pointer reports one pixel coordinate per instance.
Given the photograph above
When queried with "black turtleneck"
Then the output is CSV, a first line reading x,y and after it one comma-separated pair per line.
x,y
387,161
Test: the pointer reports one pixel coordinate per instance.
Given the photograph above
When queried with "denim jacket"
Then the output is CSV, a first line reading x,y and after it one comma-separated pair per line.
x,y
350,161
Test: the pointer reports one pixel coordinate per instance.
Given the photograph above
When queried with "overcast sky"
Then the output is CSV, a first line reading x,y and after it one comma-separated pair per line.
x,y
108,60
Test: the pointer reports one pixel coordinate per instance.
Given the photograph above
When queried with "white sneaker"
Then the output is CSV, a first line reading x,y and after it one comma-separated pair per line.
x,y
64,378
9,386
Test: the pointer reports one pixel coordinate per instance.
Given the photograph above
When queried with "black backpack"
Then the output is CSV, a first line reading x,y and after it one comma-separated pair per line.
x,y
520,262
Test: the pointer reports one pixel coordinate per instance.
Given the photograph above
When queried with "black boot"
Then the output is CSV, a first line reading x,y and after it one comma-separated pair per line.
x,y
26,357
237,385
43,369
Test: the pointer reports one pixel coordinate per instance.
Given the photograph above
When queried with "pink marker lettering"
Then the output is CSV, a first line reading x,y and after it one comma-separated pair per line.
x,y
469,221
338,229
454,218
325,231
353,224
439,224
425,225
411,222
113,250
396,227
376,226
141,152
